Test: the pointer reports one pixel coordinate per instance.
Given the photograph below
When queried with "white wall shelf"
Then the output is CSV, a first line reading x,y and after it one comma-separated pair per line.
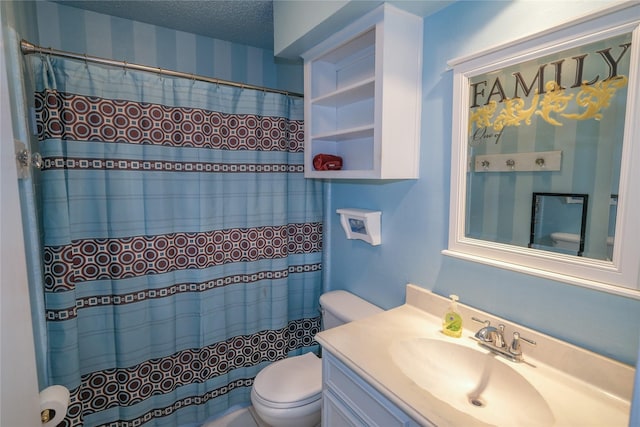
x,y
361,224
364,97
357,92
346,134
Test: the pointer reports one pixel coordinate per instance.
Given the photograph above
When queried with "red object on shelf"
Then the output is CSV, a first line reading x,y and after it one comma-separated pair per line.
x,y
327,162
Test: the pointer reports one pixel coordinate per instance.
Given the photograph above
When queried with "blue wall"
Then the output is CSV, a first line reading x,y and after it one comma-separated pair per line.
x,y
415,214
20,16
80,31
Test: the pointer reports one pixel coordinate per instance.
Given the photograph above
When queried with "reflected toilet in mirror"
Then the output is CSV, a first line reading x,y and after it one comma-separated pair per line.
x,y
558,222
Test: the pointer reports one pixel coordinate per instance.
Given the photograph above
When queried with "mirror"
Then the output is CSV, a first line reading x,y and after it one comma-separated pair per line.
x,y
543,138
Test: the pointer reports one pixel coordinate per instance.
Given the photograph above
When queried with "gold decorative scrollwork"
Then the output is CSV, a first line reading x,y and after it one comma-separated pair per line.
x,y
597,97
554,101
514,113
482,116
594,98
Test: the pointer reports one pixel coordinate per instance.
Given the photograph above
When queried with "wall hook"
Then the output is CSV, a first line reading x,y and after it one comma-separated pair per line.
x,y
540,162
485,164
511,163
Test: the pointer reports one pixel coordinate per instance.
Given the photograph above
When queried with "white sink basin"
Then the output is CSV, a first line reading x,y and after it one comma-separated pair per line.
x,y
473,381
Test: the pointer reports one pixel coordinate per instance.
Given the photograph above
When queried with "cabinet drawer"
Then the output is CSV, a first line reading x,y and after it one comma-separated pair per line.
x,y
362,399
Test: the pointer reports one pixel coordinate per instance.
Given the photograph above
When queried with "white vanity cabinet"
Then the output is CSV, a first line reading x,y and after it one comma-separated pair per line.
x,y
363,96
347,400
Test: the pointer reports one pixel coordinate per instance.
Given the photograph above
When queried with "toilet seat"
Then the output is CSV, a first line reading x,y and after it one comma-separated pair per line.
x,y
277,388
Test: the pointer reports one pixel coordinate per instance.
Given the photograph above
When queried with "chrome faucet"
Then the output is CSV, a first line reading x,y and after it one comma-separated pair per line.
x,y
489,334
493,339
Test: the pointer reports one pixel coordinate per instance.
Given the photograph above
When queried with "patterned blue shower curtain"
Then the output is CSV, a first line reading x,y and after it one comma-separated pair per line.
x,y
182,244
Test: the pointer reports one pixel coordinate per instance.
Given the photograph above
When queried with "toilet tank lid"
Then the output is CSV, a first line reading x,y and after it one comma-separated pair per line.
x,y
347,306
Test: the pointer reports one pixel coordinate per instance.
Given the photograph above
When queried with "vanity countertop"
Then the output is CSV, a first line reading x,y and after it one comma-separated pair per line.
x,y
581,388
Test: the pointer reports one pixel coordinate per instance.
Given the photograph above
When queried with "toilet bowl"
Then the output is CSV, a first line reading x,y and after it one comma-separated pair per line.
x,y
285,400
288,393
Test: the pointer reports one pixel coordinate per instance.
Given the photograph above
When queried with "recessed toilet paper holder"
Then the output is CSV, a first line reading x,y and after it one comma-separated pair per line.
x,y
54,402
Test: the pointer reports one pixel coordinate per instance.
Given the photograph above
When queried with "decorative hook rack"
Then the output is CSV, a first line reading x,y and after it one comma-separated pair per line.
x,y
541,161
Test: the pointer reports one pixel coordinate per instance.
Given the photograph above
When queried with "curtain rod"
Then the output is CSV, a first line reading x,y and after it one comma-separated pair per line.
x,y
29,48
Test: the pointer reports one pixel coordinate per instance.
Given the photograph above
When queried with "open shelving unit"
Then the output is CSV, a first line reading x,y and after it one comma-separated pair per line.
x,y
363,91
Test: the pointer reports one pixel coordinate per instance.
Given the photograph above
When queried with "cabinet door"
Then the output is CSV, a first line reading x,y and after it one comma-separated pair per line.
x,y
364,403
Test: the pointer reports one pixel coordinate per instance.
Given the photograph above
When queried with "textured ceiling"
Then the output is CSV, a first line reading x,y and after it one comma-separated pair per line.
x,y
248,22
240,21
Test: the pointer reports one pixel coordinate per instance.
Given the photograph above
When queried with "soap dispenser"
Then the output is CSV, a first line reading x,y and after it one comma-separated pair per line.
x,y
452,321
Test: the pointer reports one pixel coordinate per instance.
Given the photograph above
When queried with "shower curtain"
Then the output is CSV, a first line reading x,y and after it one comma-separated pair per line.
x,y
182,244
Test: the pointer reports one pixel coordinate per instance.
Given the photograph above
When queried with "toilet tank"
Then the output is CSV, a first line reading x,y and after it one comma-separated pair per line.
x,y
339,307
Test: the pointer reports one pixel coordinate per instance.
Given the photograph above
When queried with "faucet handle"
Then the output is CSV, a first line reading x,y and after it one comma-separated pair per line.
x,y
499,337
515,349
487,333
486,322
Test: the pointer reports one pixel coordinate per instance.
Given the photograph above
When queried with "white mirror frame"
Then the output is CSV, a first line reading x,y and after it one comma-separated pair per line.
x,y
620,276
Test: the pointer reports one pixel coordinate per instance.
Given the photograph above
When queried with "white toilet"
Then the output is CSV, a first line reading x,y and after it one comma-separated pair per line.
x,y
566,241
571,242
288,393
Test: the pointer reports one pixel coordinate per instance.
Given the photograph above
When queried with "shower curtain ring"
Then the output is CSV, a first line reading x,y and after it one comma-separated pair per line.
x,y
86,61
124,66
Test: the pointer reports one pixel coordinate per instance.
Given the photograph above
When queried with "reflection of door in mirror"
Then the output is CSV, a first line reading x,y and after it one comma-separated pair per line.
x,y
558,222
571,102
